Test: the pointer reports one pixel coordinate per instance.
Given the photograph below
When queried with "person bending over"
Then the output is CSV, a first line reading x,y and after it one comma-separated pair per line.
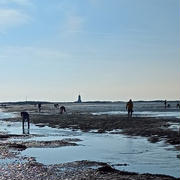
x,y
62,109
25,117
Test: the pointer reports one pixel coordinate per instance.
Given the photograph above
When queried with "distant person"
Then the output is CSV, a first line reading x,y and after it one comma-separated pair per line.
x,y
25,117
62,109
129,108
168,105
56,105
178,105
39,107
165,104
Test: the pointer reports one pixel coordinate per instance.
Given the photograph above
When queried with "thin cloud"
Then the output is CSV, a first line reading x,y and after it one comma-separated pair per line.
x,y
17,2
11,18
95,2
32,53
74,23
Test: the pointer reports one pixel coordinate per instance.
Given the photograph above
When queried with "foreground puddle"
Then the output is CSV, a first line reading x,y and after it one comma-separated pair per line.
x,y
139,155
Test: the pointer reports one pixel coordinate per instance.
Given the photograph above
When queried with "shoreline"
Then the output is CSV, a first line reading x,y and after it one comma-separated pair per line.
x,y
152,129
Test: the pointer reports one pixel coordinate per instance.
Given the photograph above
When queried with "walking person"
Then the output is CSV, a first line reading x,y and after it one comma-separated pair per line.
x,y
129,108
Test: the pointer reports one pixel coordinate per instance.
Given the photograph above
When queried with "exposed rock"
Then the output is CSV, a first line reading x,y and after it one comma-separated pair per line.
x,y
153,139
101,131
50,144
107,168
121,164
18,146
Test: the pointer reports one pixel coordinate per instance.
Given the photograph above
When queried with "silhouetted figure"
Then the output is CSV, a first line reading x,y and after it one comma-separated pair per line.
x,y
62,109
129,108
168,105
178,105
165,104
25,117
39,107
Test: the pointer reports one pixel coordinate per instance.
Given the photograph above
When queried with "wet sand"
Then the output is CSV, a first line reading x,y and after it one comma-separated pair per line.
x,y
152,128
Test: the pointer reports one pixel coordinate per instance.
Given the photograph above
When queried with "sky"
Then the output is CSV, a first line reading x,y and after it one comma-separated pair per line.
x,y
102,49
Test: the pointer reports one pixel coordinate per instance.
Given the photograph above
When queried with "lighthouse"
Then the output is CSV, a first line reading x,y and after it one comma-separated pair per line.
x,y
79,99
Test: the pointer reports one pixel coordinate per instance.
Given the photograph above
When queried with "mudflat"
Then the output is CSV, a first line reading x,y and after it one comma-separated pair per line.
x,y
155,129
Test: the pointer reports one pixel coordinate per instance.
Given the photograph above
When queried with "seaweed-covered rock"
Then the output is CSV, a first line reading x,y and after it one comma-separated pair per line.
x,y
18,146
107,168
153,139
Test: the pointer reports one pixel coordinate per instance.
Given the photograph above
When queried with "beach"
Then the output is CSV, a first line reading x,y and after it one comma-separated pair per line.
x,y
91,141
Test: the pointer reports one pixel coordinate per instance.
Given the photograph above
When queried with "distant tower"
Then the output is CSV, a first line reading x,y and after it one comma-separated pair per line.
x,y
79,99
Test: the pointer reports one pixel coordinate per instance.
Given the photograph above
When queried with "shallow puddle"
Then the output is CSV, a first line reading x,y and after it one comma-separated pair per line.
x,y
140,155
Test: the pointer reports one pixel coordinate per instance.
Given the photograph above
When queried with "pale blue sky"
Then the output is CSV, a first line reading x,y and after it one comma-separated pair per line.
x,y
103,49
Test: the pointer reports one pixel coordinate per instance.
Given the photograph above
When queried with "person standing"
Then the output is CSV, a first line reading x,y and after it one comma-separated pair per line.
x,y
129,108
178,105
165,104
39,107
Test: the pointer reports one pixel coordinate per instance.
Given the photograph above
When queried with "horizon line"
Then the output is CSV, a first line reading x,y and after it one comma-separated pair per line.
x,y
44,101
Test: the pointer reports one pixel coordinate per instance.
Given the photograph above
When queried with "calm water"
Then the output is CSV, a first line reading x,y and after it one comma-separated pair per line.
x,y
140,155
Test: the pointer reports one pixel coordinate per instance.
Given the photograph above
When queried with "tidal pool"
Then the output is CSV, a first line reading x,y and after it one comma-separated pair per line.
x,y
140,155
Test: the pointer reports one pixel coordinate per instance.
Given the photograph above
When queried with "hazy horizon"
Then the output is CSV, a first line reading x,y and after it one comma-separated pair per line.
x,y
135,100
102,49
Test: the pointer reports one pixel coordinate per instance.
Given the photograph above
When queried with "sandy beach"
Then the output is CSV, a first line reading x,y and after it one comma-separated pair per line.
x,y
76,119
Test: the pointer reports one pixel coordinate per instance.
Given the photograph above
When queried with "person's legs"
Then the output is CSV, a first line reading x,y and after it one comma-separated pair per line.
x,y
28,123
131,112
128,114
23,124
